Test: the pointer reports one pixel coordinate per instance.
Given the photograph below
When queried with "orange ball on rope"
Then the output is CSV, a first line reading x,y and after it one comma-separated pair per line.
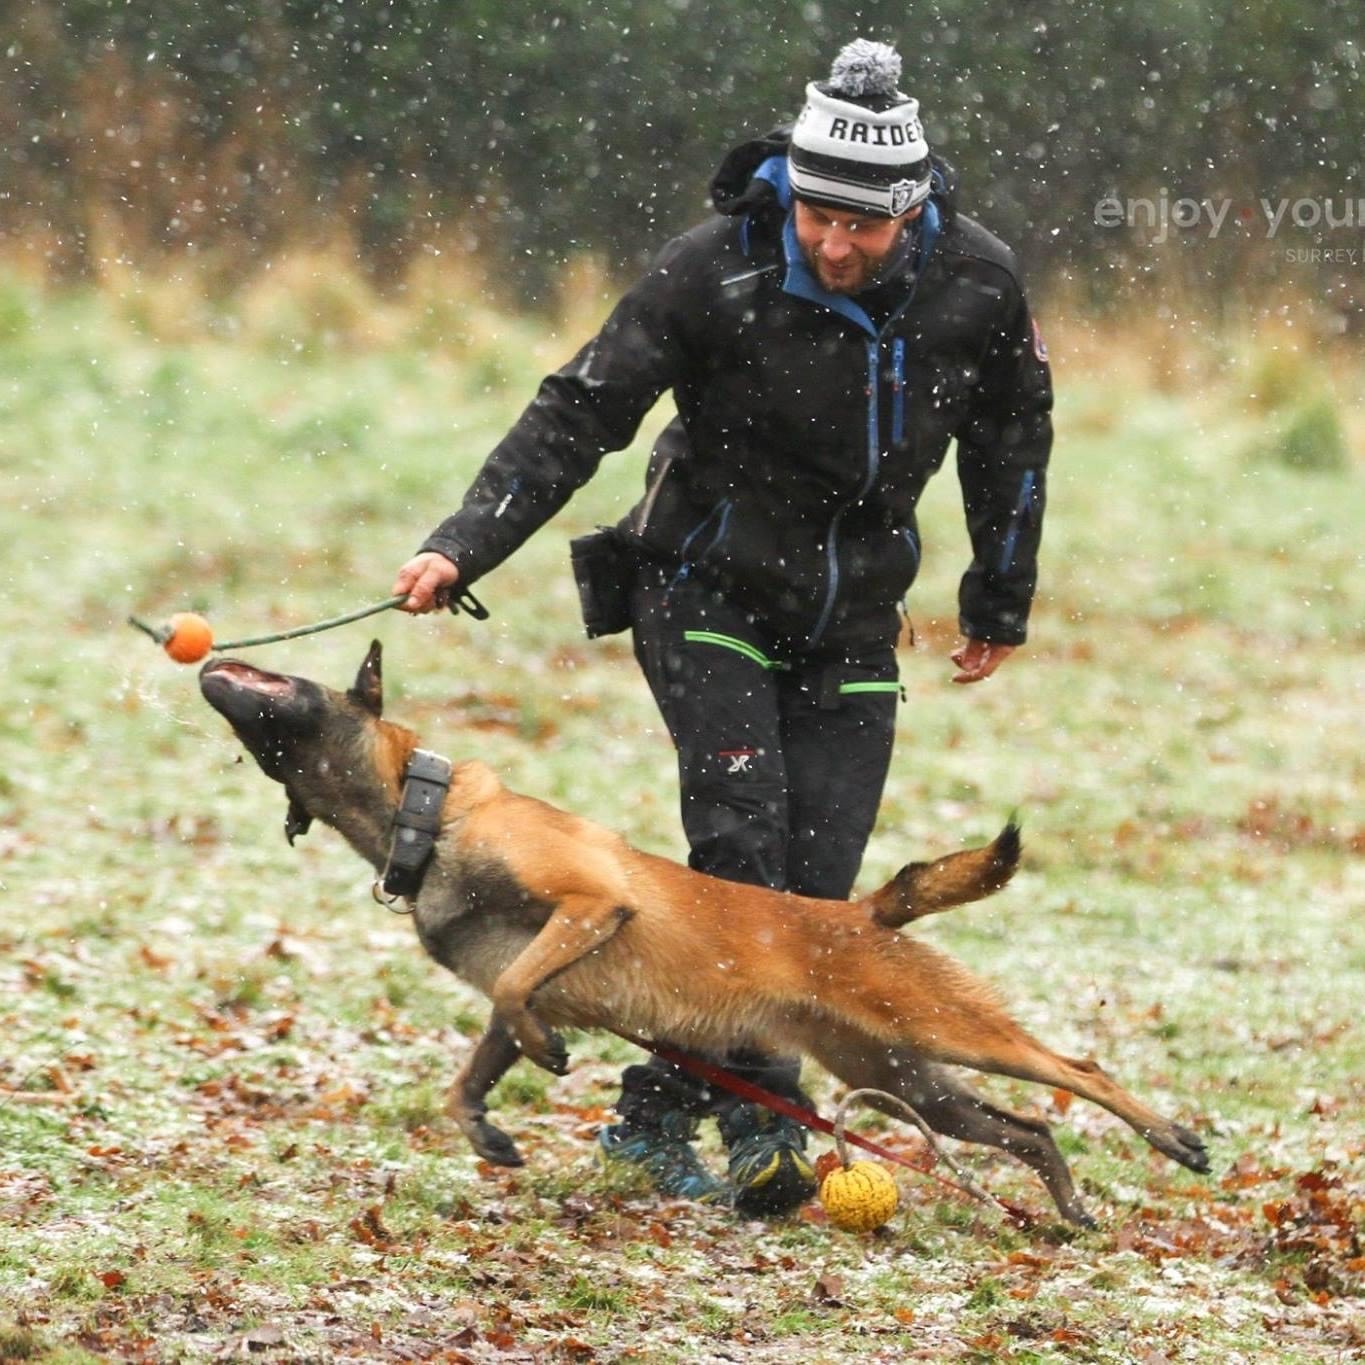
x,y
190,638
186,637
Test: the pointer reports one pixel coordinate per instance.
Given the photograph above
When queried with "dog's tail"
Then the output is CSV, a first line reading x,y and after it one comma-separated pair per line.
x,y
920,889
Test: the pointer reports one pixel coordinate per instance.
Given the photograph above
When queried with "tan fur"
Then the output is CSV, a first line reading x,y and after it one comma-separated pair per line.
x,y
561,922
921,889
392,746
641,945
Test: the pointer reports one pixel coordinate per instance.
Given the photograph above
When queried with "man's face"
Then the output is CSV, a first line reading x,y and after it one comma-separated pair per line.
x,y
846,250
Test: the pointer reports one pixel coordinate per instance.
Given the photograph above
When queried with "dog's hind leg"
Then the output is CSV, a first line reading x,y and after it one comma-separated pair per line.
x,y
989,1040
493,1054
578,924
956,1111
1028,1060
905,994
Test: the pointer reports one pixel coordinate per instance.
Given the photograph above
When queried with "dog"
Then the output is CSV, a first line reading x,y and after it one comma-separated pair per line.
x,y
560,922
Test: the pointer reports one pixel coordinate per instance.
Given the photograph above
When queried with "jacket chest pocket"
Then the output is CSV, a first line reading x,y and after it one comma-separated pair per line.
x,y
935,394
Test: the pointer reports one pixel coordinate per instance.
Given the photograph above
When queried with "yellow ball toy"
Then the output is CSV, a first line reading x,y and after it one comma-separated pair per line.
x,y
860,1196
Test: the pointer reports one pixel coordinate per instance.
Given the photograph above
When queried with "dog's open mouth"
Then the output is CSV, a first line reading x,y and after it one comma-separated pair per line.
x,y
234,673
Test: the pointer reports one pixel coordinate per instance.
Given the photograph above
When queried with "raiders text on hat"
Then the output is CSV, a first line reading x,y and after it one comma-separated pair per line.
x,y
858,143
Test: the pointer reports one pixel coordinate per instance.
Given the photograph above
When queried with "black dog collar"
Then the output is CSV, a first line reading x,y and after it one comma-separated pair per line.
x,y
417,822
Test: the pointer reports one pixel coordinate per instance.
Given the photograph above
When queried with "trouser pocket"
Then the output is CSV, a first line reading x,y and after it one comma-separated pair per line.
x,y
839,683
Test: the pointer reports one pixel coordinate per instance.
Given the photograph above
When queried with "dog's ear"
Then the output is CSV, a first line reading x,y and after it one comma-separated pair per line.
x,y
296,821
369,682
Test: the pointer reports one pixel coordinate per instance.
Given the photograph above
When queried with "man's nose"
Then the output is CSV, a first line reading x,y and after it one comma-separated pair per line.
x,y
837,245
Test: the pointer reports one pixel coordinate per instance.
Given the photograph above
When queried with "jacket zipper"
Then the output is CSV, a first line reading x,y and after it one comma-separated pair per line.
x,y
874,459
898,391
874,451
685,568
874,445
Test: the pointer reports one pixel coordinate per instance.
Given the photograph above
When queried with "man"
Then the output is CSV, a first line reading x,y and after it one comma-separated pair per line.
x,y
826,335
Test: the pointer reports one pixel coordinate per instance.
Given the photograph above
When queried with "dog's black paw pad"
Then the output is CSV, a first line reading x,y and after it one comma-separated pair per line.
x,y
556,1056
1185,1147
496,1147
1196,1154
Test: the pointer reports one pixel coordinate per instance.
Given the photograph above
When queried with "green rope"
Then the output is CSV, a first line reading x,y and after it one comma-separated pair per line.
x,y
313,629
162,633
156,632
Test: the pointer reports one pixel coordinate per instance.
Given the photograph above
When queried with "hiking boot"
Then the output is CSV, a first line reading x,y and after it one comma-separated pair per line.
x,y
768,1166
663,1151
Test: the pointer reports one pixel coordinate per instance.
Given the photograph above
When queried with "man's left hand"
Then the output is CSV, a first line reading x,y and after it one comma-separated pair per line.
x,y
978,659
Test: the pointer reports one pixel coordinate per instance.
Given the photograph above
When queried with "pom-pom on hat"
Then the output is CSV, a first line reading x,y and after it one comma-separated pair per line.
x,y
858,144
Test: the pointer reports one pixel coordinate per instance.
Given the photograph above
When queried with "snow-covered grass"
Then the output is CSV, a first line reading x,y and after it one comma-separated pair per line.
x,y
223,1064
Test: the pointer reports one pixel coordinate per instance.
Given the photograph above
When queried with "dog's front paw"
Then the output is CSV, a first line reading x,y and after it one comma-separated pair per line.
x,y
536,1042
551,1054
494,1145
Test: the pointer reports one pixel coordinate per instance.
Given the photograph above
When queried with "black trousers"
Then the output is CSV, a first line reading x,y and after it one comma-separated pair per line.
x,y
782,758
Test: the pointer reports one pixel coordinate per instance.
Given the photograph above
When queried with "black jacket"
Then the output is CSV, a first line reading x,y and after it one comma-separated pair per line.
x,y
805,431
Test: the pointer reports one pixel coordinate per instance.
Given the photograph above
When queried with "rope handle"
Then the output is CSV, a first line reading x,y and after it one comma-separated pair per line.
x,y
881,1097
460,601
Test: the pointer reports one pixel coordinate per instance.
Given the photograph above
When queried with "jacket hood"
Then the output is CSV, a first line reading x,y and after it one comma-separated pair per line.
x,y
735,190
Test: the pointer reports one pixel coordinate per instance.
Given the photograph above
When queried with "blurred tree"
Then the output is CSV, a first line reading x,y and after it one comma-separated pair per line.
x,y
542,128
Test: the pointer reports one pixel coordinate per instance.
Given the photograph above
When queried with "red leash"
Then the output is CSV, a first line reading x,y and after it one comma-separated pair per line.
x,y
809,1118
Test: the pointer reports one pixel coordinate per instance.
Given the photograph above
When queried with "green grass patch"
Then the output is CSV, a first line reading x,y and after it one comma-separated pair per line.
x,y
232,1063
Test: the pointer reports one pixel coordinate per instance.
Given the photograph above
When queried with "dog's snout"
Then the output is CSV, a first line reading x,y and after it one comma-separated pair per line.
x,y
234,673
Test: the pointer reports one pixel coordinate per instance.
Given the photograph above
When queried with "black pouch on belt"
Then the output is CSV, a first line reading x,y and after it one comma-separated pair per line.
x,y
604,567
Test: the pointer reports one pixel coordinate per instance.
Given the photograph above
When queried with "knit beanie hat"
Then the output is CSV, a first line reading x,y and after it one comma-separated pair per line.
x,y
858,144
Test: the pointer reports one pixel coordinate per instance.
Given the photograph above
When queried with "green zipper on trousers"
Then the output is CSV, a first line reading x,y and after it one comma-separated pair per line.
x,y
712,637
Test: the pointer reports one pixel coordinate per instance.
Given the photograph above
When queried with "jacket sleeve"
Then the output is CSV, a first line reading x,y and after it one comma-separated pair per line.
x,y
593,405
1002,455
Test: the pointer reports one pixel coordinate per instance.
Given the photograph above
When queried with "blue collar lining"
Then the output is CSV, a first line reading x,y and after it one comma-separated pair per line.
x,y
774,171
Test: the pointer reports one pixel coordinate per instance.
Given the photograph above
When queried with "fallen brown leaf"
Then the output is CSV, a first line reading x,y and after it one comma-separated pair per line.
x,y
262,1338
829,1289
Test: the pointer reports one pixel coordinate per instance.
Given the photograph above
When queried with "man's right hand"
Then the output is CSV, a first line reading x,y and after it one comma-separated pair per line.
x,y
427,579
